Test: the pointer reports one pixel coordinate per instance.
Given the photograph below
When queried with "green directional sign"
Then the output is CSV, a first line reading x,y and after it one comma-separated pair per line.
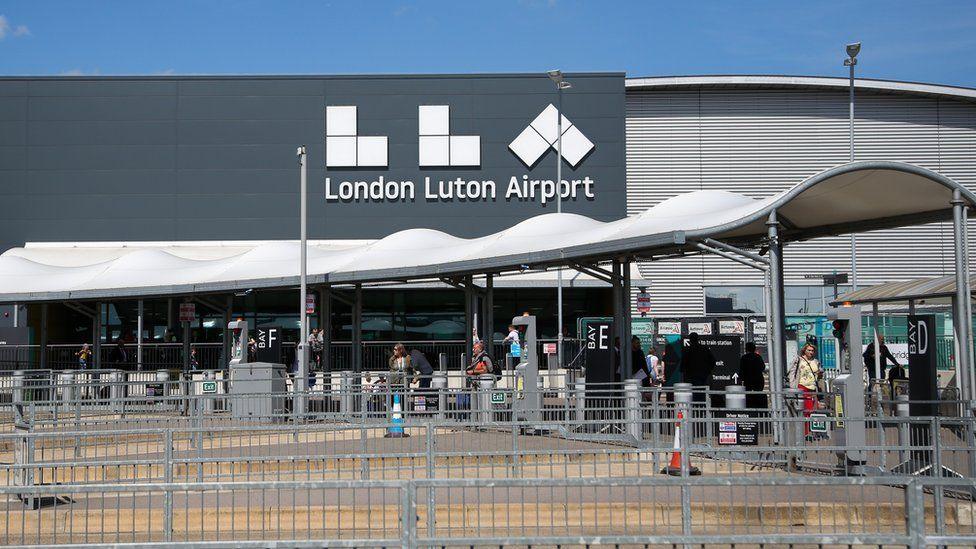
x,y
818,423
498,398
209,387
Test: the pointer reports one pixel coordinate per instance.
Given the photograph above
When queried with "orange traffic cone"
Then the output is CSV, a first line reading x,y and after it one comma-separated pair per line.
x,y
674,468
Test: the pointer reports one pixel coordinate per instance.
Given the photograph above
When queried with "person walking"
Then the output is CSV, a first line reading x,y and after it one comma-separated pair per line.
x,y
697,365
751,369
886,357
805,372
653,366
120,357
400,368
421,368
84,356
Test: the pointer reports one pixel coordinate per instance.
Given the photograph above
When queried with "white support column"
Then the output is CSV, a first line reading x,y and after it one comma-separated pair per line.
x,y
961,311
777,328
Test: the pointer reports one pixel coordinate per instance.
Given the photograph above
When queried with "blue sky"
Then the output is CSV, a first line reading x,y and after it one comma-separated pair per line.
x,y
927,41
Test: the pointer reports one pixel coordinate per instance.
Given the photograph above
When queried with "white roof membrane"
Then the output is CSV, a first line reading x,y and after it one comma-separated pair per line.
x,y
855,196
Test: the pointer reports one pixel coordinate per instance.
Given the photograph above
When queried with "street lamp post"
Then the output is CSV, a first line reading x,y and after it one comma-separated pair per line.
x,y
852,51
557,78
302,316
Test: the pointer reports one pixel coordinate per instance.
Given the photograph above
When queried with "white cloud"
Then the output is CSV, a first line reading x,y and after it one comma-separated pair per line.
x,y
6,29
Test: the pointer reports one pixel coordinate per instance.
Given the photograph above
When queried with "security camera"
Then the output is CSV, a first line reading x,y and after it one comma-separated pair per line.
x,y
853,49
300,151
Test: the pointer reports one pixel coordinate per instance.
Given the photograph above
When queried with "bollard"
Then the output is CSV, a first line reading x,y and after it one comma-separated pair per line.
x,y
209,401
18,379
345,395
904,439
486,382
116,389
735,397
682,394
632,405
794,427
552,368
579,398
162,377
438,383
69,390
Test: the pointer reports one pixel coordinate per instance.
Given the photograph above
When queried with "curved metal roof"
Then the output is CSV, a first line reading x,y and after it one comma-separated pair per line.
x,y
851,197
917,289
809,82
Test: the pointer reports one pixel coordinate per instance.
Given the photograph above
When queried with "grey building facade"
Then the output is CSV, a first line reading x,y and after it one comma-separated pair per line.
x,y
212,158
759,135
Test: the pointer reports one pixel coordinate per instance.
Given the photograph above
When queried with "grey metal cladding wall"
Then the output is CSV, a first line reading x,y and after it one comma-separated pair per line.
x,y
758,142
198,158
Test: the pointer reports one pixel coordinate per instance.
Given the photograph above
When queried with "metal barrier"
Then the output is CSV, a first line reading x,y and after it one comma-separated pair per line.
x,y
499,512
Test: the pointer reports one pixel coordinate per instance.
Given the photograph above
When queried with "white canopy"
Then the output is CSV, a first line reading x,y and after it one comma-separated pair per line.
x,y
851,197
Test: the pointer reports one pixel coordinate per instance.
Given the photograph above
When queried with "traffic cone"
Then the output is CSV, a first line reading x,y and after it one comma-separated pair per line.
x,y
674,468
396,430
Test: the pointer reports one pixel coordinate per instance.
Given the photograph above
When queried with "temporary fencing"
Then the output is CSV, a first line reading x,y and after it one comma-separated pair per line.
x,y
151,459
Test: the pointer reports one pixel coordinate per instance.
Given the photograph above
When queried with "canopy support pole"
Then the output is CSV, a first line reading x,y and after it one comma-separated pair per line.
x,y
626,355
43,341
186,344
877,343
97,336
226,337
963,295
140,314
357,330
468,320
618,321
489,314
325,328
777,300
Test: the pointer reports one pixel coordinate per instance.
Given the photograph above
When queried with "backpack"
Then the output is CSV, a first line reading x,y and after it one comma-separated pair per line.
x,y
496,367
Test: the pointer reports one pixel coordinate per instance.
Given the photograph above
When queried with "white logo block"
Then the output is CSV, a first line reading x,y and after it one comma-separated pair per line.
x,y
541,135
437,147
344,148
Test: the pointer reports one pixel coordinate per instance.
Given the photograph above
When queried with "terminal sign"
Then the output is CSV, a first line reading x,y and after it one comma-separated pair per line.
x,y
643,303
188,312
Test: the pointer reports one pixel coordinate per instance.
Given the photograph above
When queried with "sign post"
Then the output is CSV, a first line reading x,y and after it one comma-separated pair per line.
x,y
643,303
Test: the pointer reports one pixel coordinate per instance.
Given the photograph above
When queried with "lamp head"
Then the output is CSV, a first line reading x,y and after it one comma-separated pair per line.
x,y
563,85
555,75
853,49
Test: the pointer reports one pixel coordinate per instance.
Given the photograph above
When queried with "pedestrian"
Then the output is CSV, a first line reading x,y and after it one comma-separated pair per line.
x,y
638,362
886,357
805,373
896,376
481,363
194,363
422,370
120,357
697,365
653,366
400,368
252,350
84,355
751,370
512,339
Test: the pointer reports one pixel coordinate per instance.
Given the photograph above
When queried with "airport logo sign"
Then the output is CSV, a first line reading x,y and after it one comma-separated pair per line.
x,y
542,134
439,147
